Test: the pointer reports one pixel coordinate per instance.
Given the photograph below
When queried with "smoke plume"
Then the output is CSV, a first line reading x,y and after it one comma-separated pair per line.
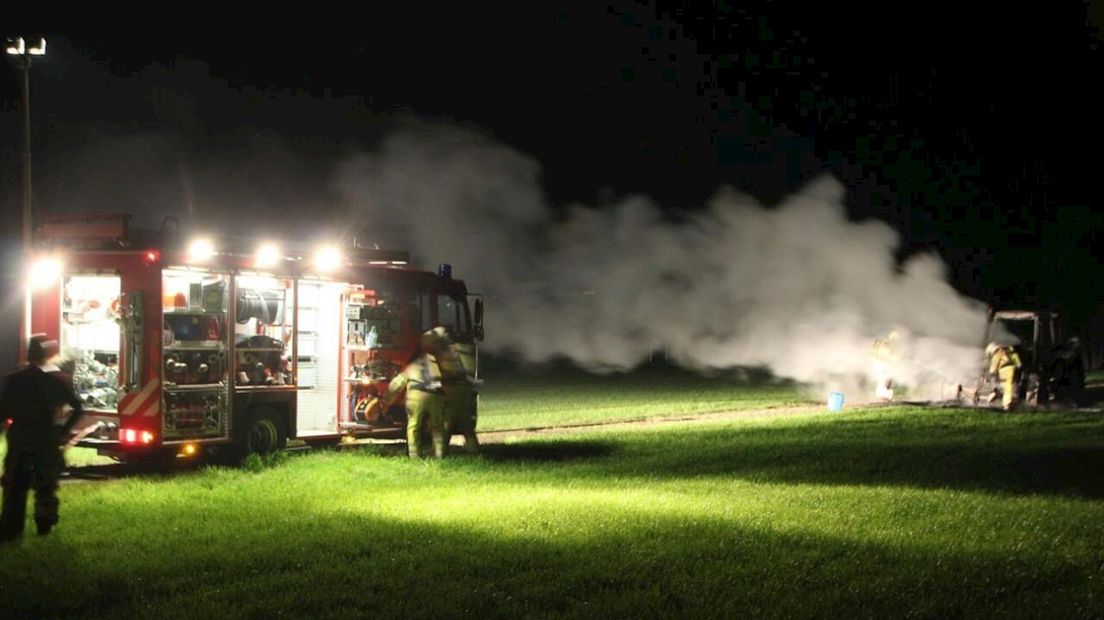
x,y
796,287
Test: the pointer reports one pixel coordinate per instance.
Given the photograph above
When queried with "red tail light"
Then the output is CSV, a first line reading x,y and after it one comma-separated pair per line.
x,y
135,436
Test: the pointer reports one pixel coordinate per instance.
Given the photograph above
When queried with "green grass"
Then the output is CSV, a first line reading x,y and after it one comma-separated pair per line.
x,y
926,512
561,396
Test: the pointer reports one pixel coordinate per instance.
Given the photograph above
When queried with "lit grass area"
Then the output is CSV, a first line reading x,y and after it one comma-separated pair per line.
x,y
557,396
874,513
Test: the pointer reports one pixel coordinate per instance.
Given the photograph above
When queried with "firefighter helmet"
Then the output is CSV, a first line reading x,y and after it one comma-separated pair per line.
x,y
991,349
39,349
433,340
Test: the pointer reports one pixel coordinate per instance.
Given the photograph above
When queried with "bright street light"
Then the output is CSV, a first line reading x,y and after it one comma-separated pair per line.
x,y
20,56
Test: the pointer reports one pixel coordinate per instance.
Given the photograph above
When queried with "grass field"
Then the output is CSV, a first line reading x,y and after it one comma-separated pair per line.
x,y
559,396
925,512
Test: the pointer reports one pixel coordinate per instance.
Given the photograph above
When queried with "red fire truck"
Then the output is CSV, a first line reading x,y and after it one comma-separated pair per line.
x,y
181,346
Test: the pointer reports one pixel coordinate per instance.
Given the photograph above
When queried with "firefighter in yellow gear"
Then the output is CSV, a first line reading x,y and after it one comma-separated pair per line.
x,y
425,397
1005,363
461,407
885,354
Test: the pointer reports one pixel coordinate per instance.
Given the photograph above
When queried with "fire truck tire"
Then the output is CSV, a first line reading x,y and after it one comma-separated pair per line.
x,y
262,432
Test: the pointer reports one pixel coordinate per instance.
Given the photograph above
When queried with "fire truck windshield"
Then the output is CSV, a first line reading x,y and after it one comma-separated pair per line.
x,y
452,313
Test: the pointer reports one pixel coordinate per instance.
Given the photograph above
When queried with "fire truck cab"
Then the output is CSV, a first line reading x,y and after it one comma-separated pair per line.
x,y
176,348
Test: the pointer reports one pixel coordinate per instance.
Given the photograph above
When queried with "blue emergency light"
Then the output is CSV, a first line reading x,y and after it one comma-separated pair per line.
x,y
445,271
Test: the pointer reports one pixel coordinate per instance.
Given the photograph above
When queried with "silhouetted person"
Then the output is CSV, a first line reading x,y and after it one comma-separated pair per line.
x,y
29,404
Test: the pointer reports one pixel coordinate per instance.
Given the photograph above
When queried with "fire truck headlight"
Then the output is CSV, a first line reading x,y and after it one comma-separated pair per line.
x,y
328,258
200,250
43,272
268,255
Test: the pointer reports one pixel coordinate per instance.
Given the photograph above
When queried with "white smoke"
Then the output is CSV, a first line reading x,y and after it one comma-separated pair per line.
x,y
798,288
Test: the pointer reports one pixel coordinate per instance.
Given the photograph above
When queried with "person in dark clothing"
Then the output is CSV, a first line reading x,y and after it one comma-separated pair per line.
x,y
29,404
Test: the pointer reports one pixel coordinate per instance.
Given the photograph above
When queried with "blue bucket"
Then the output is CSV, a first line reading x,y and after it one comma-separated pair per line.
x,y
835,401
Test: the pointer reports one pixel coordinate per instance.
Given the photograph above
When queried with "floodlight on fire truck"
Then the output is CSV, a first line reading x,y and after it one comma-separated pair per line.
x,y
268,255
200,250
43,272
328,258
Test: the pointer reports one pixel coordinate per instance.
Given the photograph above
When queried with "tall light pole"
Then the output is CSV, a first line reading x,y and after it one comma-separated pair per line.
x,y
20,54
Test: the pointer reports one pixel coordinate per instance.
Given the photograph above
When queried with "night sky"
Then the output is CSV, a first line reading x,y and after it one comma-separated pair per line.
x,y
974,134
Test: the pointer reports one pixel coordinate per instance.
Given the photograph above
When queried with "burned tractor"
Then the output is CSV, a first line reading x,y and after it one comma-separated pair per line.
x,y
1053,368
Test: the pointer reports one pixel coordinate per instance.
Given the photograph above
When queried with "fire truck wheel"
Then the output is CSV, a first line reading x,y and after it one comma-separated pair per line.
x,y
263,432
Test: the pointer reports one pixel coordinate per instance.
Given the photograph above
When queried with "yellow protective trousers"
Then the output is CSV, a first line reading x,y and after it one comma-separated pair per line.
x,y
1007,376
424,408
461,414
